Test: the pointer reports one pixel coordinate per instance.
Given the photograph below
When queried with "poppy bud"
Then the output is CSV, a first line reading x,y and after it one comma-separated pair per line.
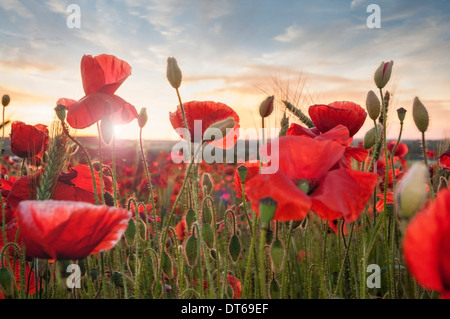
x,y
173,73
167,266
234,247
267,208
206,215
266,107
401,113
142,119
383,74
277,254
208,235
420,115
61,112
106,130
222,126
130,233
191,251
5,100
207,183
411,191
369,138
373,105
190,218
242,171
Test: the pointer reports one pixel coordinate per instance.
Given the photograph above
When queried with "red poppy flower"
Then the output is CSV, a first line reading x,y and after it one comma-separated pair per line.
x,y
349,114
235,285
330,193
252,170
444,160
180,229
339,134
389,200
28,140
76,185
400,152
431,154
101,75
69,230
427,245
206,113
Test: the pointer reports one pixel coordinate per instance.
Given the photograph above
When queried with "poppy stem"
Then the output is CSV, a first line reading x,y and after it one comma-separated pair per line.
x,y
88,159
169,219
262,270
101,163
385,211
341,271
425,160
149,180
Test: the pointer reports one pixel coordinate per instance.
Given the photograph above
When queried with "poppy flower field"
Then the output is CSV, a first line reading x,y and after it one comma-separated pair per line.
x,y
319,216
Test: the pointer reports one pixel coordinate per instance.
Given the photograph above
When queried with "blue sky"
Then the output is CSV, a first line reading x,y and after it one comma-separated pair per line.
x,y
230,51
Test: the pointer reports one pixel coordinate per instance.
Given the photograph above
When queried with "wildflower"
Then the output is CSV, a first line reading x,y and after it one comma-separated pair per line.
x,y
69,230
102,76
349,114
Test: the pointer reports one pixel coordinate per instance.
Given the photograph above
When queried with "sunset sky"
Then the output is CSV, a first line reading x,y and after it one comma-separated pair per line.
x,y
231,51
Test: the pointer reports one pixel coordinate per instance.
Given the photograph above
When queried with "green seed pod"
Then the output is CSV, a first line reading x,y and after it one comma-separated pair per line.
x,y
274,289
234,247
267,208
208,235
167,265
5,100
6,281
130,233
206,215
61,112
420,115
190,218
277,255
401,113
191,251
242,171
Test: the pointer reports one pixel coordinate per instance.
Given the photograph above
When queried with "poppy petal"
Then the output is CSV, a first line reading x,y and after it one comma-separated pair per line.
x,y
103,73
292,203
208,113
69,230
298,130
349,114
343,193
302,157
426,243
92,109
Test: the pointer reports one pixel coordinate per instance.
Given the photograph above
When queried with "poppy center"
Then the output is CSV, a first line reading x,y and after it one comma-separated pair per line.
x,y
303,184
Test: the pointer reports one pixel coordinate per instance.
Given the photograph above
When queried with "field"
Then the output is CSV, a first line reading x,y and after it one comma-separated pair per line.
x,y
312,214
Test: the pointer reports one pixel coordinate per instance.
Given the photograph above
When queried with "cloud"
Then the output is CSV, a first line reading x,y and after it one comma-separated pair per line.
x,y
355,3
291,33
16,7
